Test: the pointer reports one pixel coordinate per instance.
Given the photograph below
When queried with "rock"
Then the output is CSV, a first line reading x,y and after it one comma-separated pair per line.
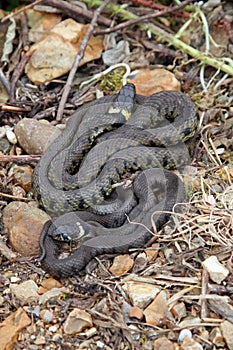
x,y
11,137
162,344
140,294
121,265
153,251
48,284
221,306
53,293
22,175
217,271
40,340
216,337
24,222
136,312
76,321
26,291
34,136
149,82
190,344
157,311
179,311
10,328
140,263
227,331
53,328
46,316
184,333
1,300
4,146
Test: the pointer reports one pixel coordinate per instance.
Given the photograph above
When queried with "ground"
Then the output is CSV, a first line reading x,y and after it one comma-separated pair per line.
x,y
176,293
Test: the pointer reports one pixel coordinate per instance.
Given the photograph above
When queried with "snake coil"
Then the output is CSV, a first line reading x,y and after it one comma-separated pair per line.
x,y
102,142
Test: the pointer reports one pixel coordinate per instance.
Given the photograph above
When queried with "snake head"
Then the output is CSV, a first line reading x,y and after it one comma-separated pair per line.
x,y
68,233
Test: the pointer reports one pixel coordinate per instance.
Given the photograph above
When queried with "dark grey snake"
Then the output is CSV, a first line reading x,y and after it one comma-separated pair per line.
x,y
104,140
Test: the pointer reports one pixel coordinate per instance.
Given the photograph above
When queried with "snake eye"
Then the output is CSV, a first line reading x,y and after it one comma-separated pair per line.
x,y
65,237
61,234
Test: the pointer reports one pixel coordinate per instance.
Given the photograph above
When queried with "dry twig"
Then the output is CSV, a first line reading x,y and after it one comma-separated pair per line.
x,y
78,58
23,9
75,12
144,18
17,73
8,253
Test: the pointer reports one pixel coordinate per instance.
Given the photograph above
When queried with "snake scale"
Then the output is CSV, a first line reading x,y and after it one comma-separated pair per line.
x,y
102,143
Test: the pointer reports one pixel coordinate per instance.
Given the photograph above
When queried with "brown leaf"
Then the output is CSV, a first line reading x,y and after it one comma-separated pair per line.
x,y
10,328
54,55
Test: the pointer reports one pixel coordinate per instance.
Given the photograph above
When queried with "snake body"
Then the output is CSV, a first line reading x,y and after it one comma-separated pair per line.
x,y
102,142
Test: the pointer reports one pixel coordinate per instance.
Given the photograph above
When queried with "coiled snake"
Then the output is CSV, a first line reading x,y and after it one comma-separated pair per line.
x,y
102,142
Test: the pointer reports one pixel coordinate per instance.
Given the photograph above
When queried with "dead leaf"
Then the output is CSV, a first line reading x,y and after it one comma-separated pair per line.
x,y
41,23
10,328
54,55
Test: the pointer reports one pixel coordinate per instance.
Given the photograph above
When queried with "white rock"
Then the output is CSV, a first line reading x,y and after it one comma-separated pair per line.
x,y
53,328
15,279
10,135
76,321
25,291
184,333
2,132
140,293
190,344
217,271
52,293
227,331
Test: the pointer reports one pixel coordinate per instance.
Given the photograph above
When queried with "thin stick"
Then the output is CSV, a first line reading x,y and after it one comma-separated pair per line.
x,y
23,9
4,81
164,36
204,289
21,159
19,69
143,18
78,58
74,11
6,195
8,253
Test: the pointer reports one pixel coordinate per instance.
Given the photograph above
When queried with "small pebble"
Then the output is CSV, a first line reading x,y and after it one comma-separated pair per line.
x,y
184,333
53,329
2,132
36,310
47,316
1,300
99,344
14,279
32,347
56,336
10,135
5,146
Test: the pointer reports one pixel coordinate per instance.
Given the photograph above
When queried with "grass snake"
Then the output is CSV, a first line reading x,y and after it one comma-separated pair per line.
x,y
103,142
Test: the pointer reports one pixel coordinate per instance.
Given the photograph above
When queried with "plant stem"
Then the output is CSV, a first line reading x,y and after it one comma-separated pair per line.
x,y
164,36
